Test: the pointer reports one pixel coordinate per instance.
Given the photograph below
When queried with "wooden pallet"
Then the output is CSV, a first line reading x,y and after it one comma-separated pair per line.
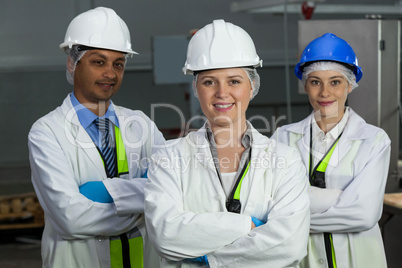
x,y
20,211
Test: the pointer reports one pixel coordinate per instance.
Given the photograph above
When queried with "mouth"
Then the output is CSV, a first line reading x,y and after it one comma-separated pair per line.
x,y
223,106
105,86
325,103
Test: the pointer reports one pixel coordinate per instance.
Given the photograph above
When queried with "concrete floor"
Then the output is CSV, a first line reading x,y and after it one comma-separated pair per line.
x,y
22,250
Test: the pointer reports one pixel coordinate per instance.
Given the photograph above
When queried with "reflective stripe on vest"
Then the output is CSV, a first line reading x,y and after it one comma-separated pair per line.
x,y
324,163
129,246
329,245
131,242
233,203
237,192
122,164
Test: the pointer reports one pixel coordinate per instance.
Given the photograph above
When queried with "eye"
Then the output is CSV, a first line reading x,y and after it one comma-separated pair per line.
x,y
234,82
98,62
315,82
208,82
119,65
335,82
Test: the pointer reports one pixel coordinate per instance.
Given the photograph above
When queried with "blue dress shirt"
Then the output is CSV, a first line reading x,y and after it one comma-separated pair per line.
x,y
86,118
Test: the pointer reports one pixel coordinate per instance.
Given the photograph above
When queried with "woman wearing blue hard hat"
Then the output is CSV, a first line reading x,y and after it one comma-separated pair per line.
x,y
347,160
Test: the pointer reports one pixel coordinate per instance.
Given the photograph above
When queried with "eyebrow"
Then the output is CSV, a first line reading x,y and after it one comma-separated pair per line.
x,y
236,76
229,77
332,77
105,58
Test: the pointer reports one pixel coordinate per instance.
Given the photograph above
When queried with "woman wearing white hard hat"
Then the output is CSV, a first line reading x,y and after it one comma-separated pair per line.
x,y
347,160
226,196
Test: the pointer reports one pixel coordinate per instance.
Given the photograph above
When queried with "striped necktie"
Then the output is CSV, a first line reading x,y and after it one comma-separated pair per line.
x,y
106,146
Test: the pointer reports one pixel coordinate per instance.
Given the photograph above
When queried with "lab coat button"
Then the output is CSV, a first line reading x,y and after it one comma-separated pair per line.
x,y
218,197
321,261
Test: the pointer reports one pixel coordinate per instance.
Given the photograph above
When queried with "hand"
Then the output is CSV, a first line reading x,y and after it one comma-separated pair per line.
x,y
96,191
202,259
257,222
145,175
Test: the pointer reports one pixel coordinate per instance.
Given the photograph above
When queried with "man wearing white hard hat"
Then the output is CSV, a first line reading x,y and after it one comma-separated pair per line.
x,y
88,156
225,195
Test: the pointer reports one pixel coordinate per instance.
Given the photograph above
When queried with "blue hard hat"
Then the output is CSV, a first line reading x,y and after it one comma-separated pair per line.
x,y
329,47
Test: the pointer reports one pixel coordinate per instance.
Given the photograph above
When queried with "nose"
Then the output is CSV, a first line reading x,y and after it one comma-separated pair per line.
x,y
109,71
222,91
325,90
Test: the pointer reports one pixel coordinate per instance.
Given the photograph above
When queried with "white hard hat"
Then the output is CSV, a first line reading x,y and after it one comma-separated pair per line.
x,y
99,28
220,45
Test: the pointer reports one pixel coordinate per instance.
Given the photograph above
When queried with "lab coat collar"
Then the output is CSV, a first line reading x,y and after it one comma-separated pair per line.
x,y
80,135
355,129
199,139
257,139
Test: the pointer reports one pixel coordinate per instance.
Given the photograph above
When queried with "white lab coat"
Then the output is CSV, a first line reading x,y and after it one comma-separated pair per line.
x,y
358,169
186,214
63,157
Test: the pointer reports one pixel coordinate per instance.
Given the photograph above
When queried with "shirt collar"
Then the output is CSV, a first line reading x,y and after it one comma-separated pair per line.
x,y
246,140
86,117
333,133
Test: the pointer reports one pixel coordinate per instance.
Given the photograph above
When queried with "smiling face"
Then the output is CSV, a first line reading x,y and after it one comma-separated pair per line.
x,y
98,76
327,92
224,95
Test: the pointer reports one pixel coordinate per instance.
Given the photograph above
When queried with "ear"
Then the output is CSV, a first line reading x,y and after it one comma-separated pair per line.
x,y
349,89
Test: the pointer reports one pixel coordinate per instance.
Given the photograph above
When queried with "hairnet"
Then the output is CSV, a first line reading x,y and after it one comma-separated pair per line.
x,y
252,75
330,66
74,55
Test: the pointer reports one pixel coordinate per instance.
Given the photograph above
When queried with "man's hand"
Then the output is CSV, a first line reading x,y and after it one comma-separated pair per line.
x,y
202,259
256,222
96,191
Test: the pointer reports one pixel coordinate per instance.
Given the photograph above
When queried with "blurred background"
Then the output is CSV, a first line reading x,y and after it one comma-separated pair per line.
x,y
33,83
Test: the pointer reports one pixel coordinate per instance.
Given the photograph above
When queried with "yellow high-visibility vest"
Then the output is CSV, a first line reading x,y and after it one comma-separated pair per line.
x,y
321,168
126,250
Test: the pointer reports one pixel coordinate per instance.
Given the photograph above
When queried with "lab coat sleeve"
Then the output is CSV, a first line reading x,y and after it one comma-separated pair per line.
x,y
327,197
128,194
72,215
282,241
175,233
360,205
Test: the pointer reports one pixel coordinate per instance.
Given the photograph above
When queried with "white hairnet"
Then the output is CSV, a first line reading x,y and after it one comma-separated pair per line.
x,y
330,66
252,75
74,55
